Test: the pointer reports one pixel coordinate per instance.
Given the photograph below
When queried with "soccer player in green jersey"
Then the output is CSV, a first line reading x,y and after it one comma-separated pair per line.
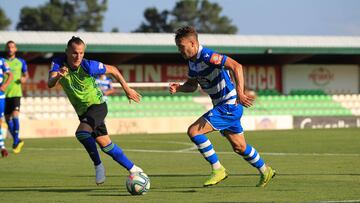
x,y
13,94
77,77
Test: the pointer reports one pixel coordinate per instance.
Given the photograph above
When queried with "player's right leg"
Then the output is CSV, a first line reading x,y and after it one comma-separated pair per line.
x,y
197,132
4,152
83,134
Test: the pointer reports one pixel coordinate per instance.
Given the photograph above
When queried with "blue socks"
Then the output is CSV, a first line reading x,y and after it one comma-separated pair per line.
x,y
2,140
206,149
111,149
253,157
118,155
14,126
89,143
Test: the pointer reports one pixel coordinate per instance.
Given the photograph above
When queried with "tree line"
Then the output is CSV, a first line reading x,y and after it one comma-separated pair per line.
x,y
88,15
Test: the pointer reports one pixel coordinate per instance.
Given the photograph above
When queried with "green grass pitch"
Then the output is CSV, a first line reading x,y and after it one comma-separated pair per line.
x,y
312,166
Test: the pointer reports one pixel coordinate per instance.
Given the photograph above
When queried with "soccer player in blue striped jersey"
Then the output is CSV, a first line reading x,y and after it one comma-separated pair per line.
x,y
105,84
4,83
211,71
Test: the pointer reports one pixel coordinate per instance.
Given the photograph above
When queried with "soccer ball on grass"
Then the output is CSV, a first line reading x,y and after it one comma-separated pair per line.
x,y
138,183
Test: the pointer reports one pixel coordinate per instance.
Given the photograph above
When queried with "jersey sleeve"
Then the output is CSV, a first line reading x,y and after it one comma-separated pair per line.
x,y
94,68
4,66
214,59
55,65
24,65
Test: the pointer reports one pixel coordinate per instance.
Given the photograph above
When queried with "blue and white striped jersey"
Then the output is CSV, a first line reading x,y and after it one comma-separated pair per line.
x,y
104,83
4,68
214,79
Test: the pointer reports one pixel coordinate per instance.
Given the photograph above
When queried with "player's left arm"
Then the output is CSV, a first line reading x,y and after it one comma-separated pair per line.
x,y
25,74
238,77
130,93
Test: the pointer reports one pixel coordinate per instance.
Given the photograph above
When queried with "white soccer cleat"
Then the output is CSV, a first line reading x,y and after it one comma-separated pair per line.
x,y
100,174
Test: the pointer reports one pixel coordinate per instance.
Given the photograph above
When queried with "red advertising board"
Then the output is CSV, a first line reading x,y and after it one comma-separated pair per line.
x,y
256,77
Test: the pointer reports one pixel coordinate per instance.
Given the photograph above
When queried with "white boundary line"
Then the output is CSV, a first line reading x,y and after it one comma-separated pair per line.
x,y
192,149
339,201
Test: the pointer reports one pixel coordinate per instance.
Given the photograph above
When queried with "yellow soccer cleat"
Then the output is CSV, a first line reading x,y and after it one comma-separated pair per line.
x,y
266,177
216,176
18,147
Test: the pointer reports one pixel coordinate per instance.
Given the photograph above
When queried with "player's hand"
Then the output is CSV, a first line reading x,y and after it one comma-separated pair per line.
x,y
2,88
173,87
246,99
63,71
23,80
133,95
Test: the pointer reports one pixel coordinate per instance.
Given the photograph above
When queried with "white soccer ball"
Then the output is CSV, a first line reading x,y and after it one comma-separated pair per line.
x,y
138,183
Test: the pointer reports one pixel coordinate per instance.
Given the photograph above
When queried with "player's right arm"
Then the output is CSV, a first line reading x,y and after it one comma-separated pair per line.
x,y
56,75
189,86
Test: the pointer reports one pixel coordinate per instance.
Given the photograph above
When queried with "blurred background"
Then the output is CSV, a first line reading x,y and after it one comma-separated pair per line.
x,y
300,57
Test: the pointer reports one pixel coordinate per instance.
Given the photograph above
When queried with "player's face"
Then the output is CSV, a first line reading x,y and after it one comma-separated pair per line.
x,y
75,54
11,49
187,46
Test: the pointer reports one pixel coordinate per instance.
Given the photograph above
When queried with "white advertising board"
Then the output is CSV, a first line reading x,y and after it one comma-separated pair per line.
x,y
331,78
267,122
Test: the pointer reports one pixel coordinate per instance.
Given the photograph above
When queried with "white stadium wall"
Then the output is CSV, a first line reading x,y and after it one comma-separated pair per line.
x,y
67,127
331,78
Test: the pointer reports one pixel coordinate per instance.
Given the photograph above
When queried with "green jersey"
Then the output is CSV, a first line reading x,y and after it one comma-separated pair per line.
x,y
79,84
18,68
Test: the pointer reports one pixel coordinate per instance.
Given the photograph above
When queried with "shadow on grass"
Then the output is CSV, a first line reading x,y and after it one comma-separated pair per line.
x,y
53,189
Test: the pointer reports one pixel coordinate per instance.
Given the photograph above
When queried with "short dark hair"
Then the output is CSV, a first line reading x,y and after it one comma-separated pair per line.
x,y
76,40
10,42
185,31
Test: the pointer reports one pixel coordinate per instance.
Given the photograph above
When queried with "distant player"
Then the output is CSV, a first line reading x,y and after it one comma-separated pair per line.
x,y
77,77
4,70
13,94
105,84
212,71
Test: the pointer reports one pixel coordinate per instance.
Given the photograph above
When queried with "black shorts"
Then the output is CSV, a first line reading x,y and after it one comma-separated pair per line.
x,y
12,104
95,117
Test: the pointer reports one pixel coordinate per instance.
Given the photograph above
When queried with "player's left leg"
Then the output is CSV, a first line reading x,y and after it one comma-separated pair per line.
x,y
12,109
18,143
116,153
250,154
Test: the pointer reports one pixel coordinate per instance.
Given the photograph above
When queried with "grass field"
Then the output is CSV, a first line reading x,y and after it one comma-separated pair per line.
x,y
312,166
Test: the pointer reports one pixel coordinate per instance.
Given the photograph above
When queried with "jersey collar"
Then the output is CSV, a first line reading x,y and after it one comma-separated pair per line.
x,y
199,52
